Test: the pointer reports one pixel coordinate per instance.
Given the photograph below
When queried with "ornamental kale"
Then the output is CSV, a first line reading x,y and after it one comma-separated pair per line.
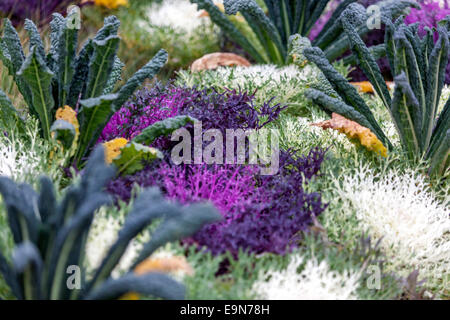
x,y
50,237
260,213
287,18
228,110
85,82
419,73
428,15
268,211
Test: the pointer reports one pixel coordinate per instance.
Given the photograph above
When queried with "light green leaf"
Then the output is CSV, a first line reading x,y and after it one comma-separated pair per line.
x,y
162,128
134,156
93,116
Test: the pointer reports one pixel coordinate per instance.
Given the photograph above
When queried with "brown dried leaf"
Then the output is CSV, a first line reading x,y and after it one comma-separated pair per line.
x,y
175,264
219,59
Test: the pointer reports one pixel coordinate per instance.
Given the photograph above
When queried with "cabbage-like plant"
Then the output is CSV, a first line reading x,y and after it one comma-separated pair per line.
x,y
84,81
288,17
418,66
50,237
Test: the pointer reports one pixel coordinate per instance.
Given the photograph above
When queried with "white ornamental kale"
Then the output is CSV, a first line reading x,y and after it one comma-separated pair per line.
x,y
180,15
401,209
317,281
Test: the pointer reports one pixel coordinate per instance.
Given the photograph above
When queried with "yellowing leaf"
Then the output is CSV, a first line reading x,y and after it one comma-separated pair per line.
x,y
68,114
64,133
172,265
175,264
110,4
366,86
112,149
130,296
355,132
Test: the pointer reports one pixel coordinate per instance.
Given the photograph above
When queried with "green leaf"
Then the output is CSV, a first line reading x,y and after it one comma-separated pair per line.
x,y
162,128
12,42
16,58
436,73
116,75
149,206
93,116
336,105
63,132
440,130
80,74
10,277
251,8
67,240
405,109
6,58
110,28
146,72
178,226
56,26
21,214
366,61
440,159
377,52
333,19
39,79
346,91
315,14
407,62
35,38
134,156
101,65
27,262
65,62
227,26
358,17
9,117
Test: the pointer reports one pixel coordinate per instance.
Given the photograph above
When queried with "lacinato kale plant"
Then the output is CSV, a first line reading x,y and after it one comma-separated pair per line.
x,y
50,238
418,65
428,15
72,94
287,18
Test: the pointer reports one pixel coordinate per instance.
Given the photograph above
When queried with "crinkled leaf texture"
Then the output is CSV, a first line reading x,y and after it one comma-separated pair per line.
x,y
50,236
419,73
63,77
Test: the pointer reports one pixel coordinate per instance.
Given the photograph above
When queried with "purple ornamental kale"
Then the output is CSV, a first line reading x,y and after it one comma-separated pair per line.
x,y
39,11
228,110
261,213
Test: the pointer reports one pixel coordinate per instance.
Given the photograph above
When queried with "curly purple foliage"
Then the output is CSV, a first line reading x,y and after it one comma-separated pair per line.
x,y
228,110
261,213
